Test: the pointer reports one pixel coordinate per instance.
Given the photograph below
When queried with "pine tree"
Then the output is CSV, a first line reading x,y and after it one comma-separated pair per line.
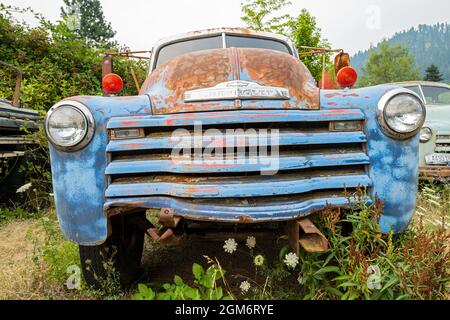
x,y
88,21
433,74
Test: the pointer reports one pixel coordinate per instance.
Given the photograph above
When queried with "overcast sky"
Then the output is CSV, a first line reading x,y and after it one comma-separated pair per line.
x,y
348,24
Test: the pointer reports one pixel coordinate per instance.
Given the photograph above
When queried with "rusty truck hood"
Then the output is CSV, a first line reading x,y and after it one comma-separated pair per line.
x,y
168,84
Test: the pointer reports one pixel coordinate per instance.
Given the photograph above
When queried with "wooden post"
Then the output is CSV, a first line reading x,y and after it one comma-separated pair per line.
x,y
107,67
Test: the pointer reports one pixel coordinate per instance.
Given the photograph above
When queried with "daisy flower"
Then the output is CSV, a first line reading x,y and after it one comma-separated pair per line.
x,y
291,260
251,242
230,246
245,286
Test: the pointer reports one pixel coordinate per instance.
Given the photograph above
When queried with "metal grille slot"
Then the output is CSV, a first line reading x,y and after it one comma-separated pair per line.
x,y
312,161
442,142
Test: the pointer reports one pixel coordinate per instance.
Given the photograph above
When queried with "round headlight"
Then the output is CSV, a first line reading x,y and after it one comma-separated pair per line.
x,y
69,125
425,134
401,113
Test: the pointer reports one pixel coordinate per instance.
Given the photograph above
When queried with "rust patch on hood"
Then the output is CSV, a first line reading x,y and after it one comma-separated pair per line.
x,y
278,69
167,84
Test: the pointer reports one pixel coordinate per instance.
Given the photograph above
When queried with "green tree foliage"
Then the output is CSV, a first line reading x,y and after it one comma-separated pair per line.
x,y
264,15
261,15
56,64
389,64
305,32
433,74
87,20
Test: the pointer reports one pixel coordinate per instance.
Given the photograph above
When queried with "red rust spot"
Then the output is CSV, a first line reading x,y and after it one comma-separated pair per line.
x,y
201,189
129,123
332,103
332,95
134,145
351,95
245,219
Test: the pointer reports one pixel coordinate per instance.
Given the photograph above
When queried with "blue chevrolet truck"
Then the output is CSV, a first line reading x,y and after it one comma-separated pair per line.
x,y
229,128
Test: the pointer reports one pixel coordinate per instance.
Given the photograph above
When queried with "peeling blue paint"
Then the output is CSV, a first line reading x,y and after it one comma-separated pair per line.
x,y
394,164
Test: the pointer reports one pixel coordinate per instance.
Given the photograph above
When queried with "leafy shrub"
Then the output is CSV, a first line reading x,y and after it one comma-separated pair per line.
x,y
56,64
7,214
204,288
365,264
57,253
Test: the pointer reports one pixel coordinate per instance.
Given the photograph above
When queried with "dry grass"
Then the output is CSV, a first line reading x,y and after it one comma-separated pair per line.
x,y
433,207
22,268
17,269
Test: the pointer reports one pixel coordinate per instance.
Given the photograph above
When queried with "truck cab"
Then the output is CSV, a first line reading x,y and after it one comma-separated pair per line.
x,y
229,128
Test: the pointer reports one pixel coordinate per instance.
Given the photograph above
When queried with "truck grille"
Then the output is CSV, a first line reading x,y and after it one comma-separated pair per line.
x,y
443,142
314,163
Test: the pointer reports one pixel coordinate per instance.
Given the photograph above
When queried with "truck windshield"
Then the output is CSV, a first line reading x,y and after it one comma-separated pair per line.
x,y
183,47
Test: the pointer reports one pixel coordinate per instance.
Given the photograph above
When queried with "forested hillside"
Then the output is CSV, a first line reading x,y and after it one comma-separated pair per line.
x,y
429,44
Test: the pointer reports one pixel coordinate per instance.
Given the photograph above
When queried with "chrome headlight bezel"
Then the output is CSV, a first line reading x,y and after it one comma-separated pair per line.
x,y
89,121
429,131
384,102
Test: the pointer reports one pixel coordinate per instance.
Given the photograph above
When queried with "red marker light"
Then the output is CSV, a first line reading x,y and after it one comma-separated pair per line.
x,y
347,77
112,83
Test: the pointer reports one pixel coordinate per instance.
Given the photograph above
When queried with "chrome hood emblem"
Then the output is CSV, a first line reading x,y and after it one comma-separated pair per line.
x,y
237,89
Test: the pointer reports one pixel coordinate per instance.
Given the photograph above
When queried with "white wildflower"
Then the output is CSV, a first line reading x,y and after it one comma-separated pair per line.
x,y
259,260
24,188
291,260
230,246
245,286
251,242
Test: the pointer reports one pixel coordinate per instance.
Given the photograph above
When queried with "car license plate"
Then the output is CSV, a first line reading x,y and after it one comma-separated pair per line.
x,y
438,158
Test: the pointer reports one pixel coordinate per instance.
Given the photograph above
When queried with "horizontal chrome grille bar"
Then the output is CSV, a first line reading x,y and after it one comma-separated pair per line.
x,y
233,117
284,138
284,162
240,209
233,186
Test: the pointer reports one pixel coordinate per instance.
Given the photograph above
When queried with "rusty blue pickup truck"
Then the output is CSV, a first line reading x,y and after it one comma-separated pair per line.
x,y
229,128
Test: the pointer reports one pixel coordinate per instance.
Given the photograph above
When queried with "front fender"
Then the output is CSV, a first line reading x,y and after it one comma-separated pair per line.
x,y
78,177
394,164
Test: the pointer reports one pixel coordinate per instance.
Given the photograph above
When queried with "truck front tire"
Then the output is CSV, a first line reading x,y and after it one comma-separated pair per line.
x,y
120,256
